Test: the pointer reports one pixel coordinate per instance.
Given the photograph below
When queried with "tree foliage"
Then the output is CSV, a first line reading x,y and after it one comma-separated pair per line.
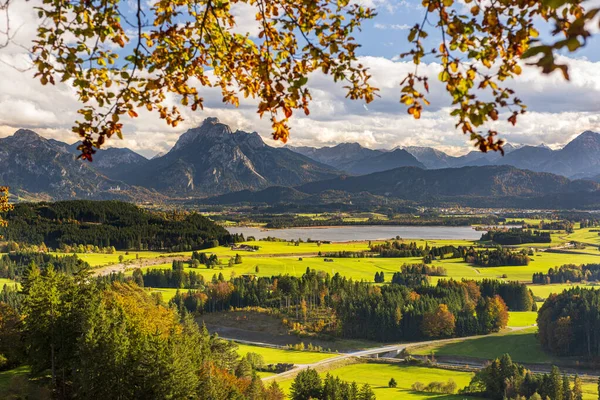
x,y
481,48
505,379
4,205
569,323
177,47
111,223
100,340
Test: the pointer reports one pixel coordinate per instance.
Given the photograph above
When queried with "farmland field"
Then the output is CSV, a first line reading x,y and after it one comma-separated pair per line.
x,y
96,260
544,291
521,318
365,268
521,345
378,376
585,236
274,356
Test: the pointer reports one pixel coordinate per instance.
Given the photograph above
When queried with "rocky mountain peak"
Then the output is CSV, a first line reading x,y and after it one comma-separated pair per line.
x,y
211,127
251,139
26,135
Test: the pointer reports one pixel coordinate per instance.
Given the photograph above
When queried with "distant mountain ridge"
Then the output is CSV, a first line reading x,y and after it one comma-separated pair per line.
x,y
226,167
580,158
492,186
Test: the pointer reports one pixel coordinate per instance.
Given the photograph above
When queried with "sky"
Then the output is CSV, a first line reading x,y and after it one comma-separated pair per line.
x,y
557,110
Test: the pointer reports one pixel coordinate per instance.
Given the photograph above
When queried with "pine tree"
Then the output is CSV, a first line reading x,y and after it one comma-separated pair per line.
x,y
566,389
306,385
577,389
555,386
366,393
274,392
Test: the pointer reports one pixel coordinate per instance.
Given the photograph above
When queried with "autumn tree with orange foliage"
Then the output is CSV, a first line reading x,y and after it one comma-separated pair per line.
x,y
492,314
121,56
4,205
439,323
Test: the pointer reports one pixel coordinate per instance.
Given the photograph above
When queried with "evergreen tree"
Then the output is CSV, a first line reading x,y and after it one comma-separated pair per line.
x,y
566,389
577,388
274,392
555,385
306,385
366,393
392,383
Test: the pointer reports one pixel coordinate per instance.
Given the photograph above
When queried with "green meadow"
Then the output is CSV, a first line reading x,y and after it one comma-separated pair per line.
x,y
521,345
517,319
585,236
378,376
5,281
543,291
97,260
274,356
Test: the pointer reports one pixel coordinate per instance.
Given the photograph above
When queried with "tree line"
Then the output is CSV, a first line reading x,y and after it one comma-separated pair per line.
x,y
568,273
398,248
496,257
515,236
111,224
505,379
569,323
309,385
15,265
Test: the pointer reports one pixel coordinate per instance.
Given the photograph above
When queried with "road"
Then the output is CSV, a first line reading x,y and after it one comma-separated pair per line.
x,y
397,348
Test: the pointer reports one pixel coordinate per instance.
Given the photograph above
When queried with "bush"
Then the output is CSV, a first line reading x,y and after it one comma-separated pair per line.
x,y
392,383
448,387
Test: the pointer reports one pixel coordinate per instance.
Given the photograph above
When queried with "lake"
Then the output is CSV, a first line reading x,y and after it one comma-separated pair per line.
x,y
362,232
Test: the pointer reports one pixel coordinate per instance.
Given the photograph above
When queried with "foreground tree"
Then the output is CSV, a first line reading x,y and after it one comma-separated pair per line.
x,y
175,48
4,205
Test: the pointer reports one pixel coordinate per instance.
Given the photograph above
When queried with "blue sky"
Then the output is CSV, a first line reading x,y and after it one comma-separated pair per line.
x,y
558,110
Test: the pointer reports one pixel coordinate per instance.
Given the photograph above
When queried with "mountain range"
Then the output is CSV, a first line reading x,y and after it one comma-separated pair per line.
x,y
578,159
222,166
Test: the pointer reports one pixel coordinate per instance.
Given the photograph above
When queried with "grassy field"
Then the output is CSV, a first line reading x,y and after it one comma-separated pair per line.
x,y
521,345
378,376
521,318
274,356
365,268
585,236
544,291
97,260
166,293
4,281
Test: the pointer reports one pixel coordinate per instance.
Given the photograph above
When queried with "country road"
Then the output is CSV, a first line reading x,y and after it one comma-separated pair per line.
x,y
397,348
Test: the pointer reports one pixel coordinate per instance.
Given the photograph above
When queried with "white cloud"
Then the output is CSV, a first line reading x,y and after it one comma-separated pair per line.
x,y
394,27
559,110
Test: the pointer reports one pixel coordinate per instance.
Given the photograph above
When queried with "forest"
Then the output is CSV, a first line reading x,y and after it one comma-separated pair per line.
x,y
496,257
106,340
397,248
569,323
514,236
568,273
338,306
505,379
111,223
